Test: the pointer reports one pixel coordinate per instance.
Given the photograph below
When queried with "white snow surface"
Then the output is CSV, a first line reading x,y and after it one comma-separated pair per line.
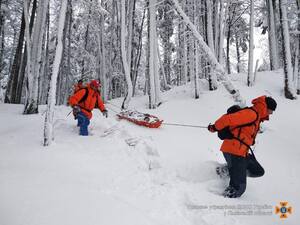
x,y
124,174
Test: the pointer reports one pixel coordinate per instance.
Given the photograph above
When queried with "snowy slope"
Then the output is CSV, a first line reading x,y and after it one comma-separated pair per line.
x,y
125,174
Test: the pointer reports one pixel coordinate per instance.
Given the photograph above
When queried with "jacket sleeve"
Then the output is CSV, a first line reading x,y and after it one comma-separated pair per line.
x,y
236,119
100,103
74,99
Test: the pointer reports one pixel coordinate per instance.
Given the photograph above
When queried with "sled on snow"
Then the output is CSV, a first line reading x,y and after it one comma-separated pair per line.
x,y
141,119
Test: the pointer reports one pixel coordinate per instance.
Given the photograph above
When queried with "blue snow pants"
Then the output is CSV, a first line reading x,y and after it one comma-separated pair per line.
x,y
83,123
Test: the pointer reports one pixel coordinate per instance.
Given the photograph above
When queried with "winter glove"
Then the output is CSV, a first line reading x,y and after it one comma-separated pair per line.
x,y
76,109
105,113
212,128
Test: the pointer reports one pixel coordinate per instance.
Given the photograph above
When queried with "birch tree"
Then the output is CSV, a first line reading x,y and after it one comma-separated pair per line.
x,y
250,78
273,49
288,73
124,57
298,58
154,82
49,119
31,105
210,41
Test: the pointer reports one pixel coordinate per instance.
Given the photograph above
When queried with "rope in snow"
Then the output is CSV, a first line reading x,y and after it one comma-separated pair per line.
x,y
184,125
108,103
112,110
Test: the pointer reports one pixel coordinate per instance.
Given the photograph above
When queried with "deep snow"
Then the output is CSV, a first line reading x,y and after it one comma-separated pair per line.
x,y
126,174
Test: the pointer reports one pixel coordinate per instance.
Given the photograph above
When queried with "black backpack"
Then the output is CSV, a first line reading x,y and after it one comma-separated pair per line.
x,y
85,95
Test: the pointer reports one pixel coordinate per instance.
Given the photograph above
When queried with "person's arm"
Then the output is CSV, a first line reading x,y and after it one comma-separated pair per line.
x,y
101,106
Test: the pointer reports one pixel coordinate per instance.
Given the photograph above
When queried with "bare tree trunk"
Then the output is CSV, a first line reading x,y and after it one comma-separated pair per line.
x,y
273,49
102,59
228,49
130,16
31,105
22,70
298,58
210,38
250,77
210,41
13,78
126,68
163,74
154,85
216,26
44,79
139,53
238,55
288,75
48,126
2,33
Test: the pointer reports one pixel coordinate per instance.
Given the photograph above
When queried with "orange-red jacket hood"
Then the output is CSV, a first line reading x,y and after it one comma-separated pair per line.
x,y
260,106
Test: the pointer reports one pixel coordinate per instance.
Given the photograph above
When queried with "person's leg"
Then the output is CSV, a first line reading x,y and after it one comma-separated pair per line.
x,y
79,120
254,169
84,123
237,171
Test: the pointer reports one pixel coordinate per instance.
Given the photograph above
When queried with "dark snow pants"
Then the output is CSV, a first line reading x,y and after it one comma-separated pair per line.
x,y
239,168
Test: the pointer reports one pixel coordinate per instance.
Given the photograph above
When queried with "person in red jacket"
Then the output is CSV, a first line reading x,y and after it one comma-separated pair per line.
x,y
83,102
242,128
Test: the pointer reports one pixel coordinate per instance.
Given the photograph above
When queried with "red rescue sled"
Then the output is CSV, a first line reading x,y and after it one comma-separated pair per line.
x,y
142,119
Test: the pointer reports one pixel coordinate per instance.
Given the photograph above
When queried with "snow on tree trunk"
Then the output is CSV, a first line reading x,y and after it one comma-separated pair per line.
x,y
31,105
222,31
238,54
28,43
183,77
124,57
156,70
48,126
296,63
288,73
210,38
274,61
251,46
216,26
154,92
103,69
130,21
211,57
44,80
163,74
196,72
195,78
298,58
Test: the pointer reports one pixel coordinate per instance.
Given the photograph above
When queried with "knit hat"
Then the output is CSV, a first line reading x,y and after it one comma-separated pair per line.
x,y
95,83
271,103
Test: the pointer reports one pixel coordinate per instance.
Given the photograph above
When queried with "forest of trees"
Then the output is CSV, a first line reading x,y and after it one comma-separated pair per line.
x,y
140,47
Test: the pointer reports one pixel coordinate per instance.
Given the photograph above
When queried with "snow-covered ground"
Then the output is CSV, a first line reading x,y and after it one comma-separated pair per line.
x,y
124,174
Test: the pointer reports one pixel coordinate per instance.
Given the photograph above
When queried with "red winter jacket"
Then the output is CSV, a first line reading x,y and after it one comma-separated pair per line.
x,y
255,115
92,101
